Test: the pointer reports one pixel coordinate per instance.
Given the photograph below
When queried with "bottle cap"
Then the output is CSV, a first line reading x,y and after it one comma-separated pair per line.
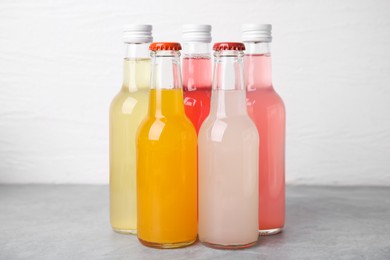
x,y
256,32
165,46
137,33
229,46
196,33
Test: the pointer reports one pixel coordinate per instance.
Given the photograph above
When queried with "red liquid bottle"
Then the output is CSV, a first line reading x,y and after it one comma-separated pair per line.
x,y
197,78
266,109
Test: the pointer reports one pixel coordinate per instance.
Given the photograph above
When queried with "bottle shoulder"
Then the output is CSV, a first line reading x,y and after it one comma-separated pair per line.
x,y
262,98
122,95
168,127
234,126
278,97
126,102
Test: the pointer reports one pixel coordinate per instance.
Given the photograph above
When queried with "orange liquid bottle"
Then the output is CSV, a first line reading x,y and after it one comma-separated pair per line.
x,y
166,159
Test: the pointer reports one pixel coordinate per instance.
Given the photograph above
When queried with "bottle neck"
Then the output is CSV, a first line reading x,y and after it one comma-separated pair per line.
x,y
196,66
137,50
258,66
228,70
196,49
166,96
166,70
258,48
136,67
228,96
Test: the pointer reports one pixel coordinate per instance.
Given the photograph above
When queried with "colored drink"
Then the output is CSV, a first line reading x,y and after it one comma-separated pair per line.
x,y
228,159
127,111
167,169
197,90
267,110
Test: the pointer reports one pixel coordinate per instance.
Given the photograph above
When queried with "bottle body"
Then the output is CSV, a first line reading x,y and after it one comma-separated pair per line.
x,y
228,190
167,167
167,177
228,164
197,88
267,111
127,111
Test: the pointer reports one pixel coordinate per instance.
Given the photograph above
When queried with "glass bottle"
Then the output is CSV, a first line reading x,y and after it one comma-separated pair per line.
x,y
228,144
267,110
128,109
197,72
166,158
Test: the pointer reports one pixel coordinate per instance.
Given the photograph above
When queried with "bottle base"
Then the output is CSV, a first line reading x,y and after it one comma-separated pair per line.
x,y
270,232
229,247
167,245
125,231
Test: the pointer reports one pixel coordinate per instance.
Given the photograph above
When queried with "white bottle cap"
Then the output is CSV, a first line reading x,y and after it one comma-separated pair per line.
x,y
256,32
196,33
137,33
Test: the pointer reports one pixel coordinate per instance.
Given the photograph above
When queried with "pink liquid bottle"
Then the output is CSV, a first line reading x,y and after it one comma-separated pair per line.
x,y
266,109
197,77
228,146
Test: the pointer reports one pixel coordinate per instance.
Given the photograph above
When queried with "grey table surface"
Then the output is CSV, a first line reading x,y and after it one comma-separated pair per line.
x,y
72,222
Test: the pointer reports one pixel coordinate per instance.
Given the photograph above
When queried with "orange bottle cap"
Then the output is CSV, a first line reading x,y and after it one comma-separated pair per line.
x,y
165,46
229,46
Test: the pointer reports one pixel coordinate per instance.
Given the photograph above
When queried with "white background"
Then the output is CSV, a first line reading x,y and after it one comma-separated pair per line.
x,y
61,64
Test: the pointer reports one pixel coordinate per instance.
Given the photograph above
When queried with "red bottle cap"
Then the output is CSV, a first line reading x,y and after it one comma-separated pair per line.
x,y
229,46
165,46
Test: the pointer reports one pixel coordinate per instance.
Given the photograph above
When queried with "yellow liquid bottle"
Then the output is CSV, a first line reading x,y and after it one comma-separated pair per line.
x,y
167,160
127,111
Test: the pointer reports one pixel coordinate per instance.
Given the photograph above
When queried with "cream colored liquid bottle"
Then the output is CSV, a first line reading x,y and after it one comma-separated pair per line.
x,y
228,144
127,111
